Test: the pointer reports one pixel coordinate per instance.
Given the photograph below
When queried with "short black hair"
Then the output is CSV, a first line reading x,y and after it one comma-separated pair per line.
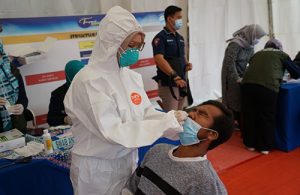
x,y
171,11
223,124
271,45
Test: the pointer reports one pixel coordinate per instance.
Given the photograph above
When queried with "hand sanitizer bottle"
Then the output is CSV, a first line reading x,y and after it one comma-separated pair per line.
x,y
47,142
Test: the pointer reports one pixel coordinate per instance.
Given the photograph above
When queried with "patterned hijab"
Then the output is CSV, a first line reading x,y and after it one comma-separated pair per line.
x,y
247,36
9,88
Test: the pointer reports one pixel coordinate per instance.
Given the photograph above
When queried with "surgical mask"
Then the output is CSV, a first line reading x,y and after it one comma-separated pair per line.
x,y
190,132
129,57
1,61
178,24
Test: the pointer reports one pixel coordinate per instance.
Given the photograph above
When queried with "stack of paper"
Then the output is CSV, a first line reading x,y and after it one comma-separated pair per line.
x,y
10,140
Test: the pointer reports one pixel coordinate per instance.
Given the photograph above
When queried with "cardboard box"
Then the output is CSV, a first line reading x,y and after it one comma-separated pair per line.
x,y
29,54
33,57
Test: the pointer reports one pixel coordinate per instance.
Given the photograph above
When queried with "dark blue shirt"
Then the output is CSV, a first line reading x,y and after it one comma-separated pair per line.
x,y
169,45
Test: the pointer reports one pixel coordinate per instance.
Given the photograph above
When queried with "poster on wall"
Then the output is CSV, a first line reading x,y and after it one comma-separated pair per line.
x,y
51,42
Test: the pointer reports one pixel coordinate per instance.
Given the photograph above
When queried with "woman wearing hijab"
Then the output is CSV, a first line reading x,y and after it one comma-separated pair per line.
x,y
260,87
110,111
13,98
57,114
237,55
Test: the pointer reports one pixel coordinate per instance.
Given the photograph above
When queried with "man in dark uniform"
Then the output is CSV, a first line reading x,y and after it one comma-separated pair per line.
x,y
169,55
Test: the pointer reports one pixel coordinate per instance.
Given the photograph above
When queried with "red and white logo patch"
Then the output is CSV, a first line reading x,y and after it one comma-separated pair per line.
x,y
136,98
156,41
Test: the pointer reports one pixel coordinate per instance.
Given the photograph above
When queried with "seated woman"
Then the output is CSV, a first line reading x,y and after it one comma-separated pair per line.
x,y
13,98
56,114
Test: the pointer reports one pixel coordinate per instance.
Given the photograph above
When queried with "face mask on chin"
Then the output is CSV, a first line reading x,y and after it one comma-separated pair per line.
x,y
190,131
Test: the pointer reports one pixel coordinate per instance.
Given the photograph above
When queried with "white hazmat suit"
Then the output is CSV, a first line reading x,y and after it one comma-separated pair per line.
x,y
111,113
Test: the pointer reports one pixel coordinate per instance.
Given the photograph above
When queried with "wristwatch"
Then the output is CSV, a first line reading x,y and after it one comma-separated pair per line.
x,y
173,75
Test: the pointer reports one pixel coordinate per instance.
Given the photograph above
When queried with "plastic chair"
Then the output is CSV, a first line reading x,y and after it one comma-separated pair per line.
x,y
30,116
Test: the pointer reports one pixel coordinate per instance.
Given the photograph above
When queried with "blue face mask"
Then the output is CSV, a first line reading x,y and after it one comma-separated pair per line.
x,y
1,61
190,131
129,57
178,24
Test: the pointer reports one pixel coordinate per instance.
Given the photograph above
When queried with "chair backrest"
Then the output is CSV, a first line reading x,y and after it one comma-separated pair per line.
x,y
159,102
30,116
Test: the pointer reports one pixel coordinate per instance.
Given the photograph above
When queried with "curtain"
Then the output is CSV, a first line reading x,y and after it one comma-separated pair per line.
x,y
211,23
286,22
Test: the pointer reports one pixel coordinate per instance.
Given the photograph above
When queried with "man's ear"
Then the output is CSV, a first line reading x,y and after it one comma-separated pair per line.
x,y
169,18
212,135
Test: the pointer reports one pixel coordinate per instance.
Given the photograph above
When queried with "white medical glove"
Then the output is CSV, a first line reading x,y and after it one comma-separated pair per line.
x,y
68,120
16,109
181,116
2,101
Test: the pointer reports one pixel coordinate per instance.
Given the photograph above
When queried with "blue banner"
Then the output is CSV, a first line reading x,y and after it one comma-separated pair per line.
x,y
59,24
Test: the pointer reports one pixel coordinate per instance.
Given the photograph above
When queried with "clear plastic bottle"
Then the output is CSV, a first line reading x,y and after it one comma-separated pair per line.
x,y
47,142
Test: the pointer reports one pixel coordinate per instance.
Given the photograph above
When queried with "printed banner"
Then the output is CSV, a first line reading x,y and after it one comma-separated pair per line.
x,y
45,77
74,37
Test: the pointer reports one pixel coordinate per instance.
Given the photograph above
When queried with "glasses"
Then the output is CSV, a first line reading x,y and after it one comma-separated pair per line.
x,y
139,46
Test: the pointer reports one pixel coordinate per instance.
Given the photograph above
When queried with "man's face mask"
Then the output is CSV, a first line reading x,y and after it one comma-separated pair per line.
x,y
178,24
190,131
129,57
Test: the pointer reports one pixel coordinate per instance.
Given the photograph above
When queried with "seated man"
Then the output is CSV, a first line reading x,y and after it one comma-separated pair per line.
x,y
56,114
185,169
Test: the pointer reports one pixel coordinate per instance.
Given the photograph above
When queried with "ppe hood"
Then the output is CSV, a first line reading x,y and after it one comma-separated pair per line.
x,y
114,28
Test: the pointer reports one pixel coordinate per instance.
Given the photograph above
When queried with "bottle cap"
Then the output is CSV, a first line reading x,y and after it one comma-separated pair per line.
x,y
45,131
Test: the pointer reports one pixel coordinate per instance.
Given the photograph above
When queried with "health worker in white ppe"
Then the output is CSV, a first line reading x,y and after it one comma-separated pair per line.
x,y
111,113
